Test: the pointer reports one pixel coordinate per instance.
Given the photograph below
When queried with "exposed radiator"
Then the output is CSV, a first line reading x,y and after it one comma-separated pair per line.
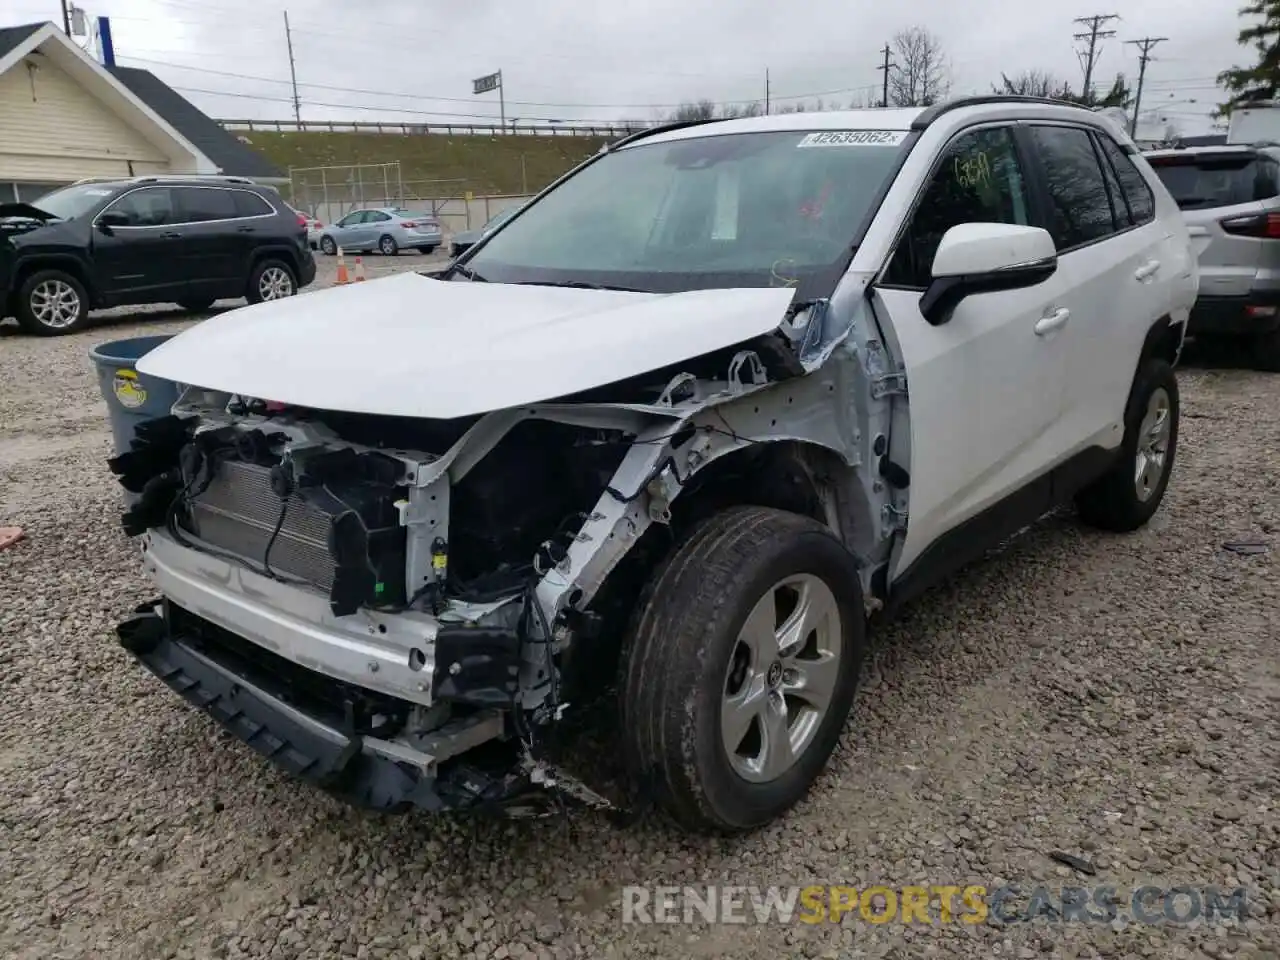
x,y
239,510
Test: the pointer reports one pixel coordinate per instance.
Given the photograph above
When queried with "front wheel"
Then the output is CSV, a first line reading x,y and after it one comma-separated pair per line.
x,y
740,668
271,280
52,303
328,246
427,250
1128,495
387,246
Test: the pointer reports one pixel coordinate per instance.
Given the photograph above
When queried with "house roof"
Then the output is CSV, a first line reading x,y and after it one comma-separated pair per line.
x,y
143,99
219,145
13,37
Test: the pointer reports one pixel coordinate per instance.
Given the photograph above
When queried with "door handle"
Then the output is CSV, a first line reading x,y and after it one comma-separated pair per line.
x,y
244,229
170,236
1052,321
1147,270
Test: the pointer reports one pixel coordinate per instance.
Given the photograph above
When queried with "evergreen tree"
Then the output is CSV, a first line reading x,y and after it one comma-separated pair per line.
x,y
1261,82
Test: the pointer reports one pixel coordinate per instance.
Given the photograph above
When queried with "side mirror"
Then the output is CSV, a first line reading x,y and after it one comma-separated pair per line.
x,y
984,258
107,222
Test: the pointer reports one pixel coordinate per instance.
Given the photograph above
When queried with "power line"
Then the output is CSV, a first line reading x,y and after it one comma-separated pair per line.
x,y
1094,34
1145,45
418,97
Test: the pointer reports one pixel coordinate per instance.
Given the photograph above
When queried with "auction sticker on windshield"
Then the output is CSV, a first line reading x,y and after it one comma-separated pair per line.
x,y
854,138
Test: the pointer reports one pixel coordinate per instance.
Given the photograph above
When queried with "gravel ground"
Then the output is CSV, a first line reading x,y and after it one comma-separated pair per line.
x,y
1113,697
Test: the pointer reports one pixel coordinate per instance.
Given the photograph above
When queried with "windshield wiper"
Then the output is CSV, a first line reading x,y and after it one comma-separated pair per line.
x,y
468,273
578,284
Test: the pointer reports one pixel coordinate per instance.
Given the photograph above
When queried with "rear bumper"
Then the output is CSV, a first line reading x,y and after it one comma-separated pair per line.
x,y
1254,313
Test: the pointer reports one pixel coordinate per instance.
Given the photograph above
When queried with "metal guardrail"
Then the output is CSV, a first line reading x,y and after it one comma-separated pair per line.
x,y
515,127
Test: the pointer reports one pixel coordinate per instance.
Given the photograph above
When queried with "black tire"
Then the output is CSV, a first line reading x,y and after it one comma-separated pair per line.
x,y
1113,502
1266,352
428,250
387,245
264,268
678,651
196,306
328,246
32,303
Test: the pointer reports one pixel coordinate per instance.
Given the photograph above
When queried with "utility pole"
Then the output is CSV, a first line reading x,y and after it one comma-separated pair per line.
x,y
766,91
293,72
885,68
66,17
1094,34
1145,45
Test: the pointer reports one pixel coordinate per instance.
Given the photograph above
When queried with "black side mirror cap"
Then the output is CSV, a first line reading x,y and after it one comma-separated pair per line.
x,y
944,294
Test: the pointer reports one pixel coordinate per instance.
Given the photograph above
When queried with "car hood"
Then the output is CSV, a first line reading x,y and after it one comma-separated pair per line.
x,y
412,346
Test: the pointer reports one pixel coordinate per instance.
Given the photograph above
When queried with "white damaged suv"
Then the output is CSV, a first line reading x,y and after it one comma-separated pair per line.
x,y
667,436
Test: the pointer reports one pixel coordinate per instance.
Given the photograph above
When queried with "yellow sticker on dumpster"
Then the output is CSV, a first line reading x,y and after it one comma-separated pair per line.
x,y
128,390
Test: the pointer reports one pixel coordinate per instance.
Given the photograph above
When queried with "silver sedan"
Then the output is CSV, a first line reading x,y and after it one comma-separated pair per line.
x,y
385,229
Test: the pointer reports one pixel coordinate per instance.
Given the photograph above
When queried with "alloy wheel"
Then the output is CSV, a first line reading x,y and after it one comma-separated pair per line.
x,y
275,283
781,678
55,304
1153,445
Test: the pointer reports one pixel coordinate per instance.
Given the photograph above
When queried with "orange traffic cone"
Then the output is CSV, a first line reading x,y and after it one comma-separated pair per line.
x,y
360,270
342,269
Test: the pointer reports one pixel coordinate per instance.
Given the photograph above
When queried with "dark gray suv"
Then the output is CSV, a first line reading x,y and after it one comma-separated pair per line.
x,y
184,240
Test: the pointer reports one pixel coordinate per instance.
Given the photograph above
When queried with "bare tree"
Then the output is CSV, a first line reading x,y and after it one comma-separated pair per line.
x,y
701,110
753,109
923,76
1030,83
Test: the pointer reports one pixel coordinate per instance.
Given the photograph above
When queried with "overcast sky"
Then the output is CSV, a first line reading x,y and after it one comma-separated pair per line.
x,y
572,59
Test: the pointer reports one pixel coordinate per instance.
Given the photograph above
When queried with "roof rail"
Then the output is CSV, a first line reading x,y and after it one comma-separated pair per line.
x,y
930,114
216,177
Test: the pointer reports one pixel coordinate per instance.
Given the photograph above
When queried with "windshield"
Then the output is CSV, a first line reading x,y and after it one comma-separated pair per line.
x,y
750,209
72,202
1209,181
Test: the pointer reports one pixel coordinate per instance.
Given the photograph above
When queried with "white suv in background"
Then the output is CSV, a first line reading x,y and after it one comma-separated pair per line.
x,y
682,423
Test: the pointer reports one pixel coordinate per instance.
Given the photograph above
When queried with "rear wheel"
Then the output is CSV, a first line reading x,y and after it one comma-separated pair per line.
x,y
1130,493
196,306
328,246
740,668
428,250
387,246
52,303
271,280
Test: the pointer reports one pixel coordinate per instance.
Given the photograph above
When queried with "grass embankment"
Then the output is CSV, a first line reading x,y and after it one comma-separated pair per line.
x,y
485,165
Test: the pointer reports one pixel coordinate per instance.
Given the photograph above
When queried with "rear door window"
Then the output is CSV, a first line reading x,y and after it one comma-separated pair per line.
x,y
1079,207
1200,181
202,204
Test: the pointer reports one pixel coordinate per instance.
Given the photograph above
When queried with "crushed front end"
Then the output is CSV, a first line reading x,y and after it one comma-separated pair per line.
x,y
355,597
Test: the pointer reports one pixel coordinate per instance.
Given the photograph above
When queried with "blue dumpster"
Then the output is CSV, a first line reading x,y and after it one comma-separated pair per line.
x,y
131,397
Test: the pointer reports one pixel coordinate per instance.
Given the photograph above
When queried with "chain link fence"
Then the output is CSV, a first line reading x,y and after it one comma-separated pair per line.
x,y
329,193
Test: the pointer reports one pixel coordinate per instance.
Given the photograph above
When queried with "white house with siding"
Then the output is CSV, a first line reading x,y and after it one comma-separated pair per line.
x,y
64,116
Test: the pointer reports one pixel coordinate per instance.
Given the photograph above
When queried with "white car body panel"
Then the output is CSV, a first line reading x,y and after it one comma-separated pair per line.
x,y
991,407
411,346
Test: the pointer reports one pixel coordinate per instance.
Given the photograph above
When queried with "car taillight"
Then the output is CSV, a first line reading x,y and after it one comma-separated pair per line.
x,y
1262,225
302,220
